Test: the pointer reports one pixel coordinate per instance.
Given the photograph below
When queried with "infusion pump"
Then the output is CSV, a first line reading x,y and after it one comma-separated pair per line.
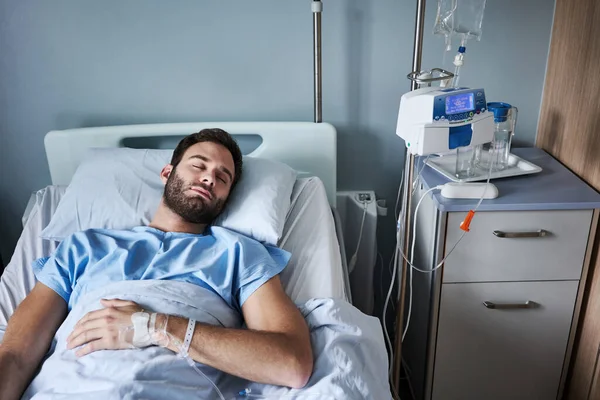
x,y
437,120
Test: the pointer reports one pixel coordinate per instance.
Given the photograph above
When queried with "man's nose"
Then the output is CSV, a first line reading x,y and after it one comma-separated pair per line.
x,y
209,179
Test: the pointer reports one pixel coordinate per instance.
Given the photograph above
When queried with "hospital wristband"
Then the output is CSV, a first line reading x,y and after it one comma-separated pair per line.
x,y
189,334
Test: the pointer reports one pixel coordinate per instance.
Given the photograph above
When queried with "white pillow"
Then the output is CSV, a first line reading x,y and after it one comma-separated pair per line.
x,y
119,188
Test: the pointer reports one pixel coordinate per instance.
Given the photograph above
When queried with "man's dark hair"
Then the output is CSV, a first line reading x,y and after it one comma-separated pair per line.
x,y
214,135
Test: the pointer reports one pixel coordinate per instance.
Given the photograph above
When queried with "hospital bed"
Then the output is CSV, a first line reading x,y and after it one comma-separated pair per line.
x,y
317,268
311,228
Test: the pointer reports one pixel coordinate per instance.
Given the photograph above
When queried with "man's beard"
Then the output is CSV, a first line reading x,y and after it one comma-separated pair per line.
x,y
193,209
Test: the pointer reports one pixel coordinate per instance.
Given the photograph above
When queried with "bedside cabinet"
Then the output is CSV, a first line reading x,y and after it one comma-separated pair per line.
x,y
497,321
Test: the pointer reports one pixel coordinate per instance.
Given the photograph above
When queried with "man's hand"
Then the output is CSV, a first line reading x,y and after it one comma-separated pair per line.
x,y
105,329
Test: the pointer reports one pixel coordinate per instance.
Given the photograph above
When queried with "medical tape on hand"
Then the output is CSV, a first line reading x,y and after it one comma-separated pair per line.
x,y
189,334
141,335
152,329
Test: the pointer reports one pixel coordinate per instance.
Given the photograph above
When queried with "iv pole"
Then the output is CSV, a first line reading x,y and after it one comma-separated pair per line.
x,y
407,201
317,9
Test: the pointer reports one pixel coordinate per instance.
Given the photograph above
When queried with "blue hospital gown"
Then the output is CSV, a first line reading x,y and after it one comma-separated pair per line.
x,y
229,264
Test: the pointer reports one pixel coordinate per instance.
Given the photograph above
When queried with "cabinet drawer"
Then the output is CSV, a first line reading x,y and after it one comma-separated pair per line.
x,y
497,353
484,255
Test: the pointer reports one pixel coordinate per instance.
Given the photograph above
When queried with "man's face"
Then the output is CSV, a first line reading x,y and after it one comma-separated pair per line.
x,y
197,189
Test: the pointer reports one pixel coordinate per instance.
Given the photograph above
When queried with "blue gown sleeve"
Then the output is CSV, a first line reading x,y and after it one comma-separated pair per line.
x,y
259,264
60,271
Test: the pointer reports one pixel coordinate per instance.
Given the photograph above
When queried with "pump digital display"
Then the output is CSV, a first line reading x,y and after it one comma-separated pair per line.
x,y
460,103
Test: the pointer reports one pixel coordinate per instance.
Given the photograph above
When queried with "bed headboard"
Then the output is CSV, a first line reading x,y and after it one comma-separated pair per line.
x,y
309,148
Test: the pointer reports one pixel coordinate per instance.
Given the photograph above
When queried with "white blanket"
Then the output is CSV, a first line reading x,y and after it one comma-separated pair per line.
x,y
350,358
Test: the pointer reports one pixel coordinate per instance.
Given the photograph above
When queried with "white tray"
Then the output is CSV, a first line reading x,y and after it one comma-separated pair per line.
x,y
445,165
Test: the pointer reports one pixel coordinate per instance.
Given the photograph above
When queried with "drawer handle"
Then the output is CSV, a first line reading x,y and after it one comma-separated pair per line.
x,y
510,306
515,235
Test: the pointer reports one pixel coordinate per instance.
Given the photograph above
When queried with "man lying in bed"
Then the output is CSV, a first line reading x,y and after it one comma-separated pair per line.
x,y
179,244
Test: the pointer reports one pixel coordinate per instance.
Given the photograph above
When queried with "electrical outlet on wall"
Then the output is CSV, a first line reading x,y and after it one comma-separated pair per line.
x,y
358,219
364,197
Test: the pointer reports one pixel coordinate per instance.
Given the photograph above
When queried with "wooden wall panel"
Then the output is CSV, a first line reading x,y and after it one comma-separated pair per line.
x,y
584,373
569,129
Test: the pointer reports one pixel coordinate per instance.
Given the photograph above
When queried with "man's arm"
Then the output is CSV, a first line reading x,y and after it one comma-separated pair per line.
x,y
275,349
27,339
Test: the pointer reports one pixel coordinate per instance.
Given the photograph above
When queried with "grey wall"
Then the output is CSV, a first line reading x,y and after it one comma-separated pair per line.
x,y
73,63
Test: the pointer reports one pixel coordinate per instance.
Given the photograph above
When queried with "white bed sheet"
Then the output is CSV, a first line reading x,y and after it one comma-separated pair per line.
x,y
18,278
315,268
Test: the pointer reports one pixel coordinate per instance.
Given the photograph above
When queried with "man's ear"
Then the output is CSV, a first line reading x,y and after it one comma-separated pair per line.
x,y
165,173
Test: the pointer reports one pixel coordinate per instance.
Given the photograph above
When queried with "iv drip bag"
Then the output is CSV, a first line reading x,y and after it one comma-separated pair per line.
x,y
461,18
